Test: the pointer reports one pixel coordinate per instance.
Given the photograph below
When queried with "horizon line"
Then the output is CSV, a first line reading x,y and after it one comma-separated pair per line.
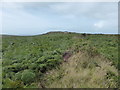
x,y
97,33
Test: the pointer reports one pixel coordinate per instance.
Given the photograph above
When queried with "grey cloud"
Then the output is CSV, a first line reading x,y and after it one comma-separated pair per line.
x,y
91,9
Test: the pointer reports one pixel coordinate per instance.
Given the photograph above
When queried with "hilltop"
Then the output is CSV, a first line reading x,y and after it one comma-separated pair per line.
x,y
39,61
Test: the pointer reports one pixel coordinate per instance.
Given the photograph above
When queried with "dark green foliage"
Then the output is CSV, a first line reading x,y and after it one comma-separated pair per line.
x,y
18,76
8,83
27,76
111,74
27,58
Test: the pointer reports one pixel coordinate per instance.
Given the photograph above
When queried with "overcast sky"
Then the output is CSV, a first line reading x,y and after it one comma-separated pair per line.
x,y
37,18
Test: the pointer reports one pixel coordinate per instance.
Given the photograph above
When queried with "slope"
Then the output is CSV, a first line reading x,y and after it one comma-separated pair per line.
x,y
26,59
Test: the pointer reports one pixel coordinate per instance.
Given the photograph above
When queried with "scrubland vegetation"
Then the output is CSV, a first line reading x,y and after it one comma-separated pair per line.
x,y
38,61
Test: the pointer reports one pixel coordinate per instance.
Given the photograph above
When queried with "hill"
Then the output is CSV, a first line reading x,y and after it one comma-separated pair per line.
x,y
60,59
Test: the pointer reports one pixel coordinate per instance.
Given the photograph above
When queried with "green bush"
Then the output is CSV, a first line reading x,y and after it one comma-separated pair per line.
x,y
8,83
18,76
27,76
32,66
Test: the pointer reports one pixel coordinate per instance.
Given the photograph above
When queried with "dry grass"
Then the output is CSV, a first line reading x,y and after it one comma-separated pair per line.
x,y
82,71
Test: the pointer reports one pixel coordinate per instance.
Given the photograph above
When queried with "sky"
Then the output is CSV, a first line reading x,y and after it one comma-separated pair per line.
x,y
33,18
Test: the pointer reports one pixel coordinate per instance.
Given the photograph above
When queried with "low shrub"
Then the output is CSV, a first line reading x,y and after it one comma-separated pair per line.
x,y
27,76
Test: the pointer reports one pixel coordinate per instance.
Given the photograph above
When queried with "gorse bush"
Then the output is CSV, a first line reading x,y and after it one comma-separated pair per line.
x,y
27,76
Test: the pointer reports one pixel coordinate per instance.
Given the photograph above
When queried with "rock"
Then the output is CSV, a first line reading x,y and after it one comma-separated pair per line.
x,y
66,55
